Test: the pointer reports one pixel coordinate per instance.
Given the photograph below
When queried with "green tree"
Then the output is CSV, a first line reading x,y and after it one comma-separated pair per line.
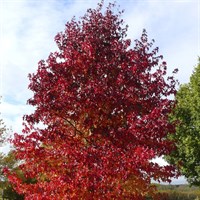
x,y
187,137
3,130
9,161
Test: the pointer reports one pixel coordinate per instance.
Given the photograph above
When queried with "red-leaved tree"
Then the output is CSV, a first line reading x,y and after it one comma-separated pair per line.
x,y
104,107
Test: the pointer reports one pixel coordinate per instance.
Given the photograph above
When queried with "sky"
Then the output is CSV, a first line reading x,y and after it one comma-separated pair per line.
x,y
28,27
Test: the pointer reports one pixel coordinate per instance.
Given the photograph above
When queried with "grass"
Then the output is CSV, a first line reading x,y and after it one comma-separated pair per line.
x,y
178,192
173,192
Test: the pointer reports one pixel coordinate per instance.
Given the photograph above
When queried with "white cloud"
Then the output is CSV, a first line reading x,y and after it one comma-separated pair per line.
x,y
175,27
174,181
27,36
12,115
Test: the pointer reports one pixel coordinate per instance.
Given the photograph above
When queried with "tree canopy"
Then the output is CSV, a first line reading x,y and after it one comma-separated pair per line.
x,y
187,137
104,105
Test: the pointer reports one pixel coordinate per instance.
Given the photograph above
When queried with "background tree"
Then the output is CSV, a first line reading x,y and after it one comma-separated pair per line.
x,y
9,161
3,130
104,106
2,133
187,136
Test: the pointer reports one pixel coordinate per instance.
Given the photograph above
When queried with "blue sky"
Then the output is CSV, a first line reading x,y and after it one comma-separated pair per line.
x,y
27,30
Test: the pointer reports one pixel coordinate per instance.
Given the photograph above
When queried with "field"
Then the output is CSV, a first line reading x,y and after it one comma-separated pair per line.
x,y
179,192
167,192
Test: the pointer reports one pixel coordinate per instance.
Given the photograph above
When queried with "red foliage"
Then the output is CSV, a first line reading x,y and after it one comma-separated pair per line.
x,y
104,106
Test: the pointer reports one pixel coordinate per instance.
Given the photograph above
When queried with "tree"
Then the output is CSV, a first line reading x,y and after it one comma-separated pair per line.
x,y
3,130
187,137
9,162
104,109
